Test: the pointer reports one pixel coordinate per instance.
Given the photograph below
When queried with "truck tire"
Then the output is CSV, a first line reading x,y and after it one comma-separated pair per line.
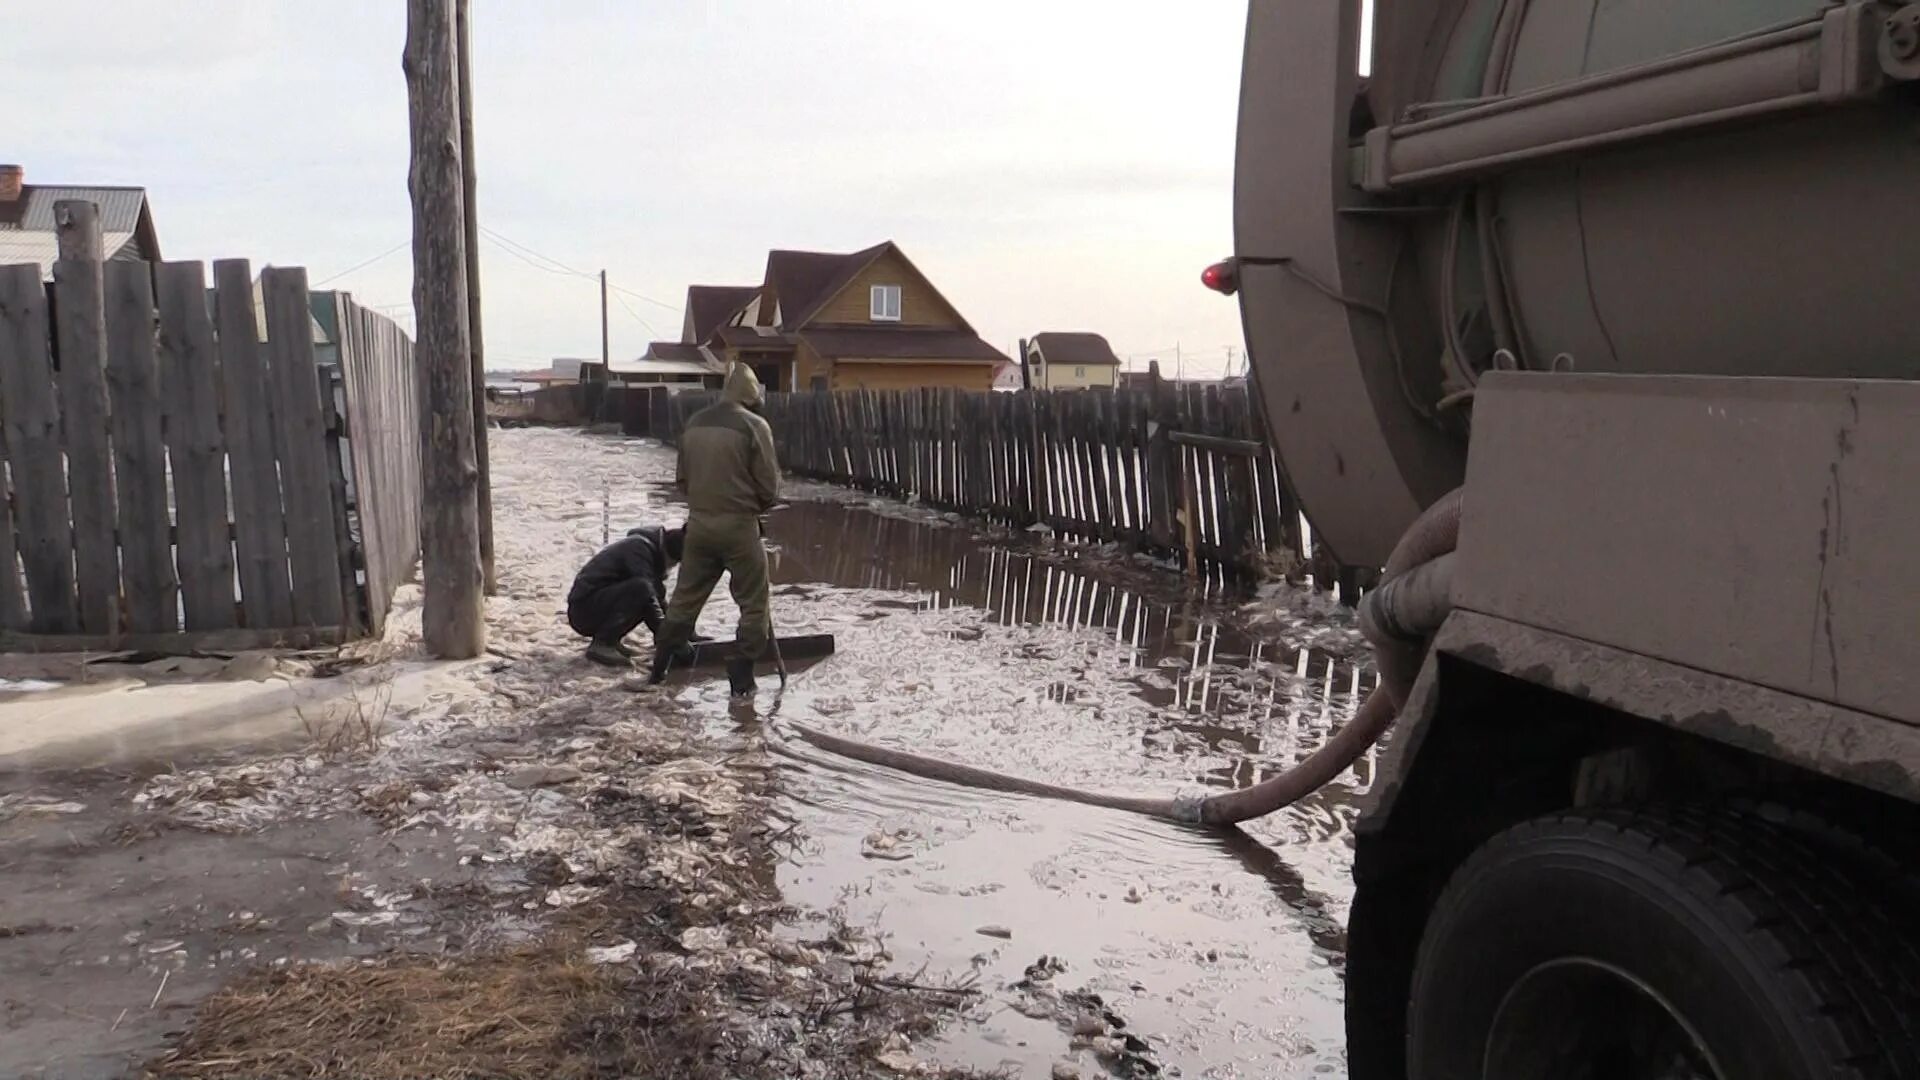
x,y
1661,945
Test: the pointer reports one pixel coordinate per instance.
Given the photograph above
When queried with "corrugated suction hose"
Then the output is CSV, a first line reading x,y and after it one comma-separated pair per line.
x,y
1397,618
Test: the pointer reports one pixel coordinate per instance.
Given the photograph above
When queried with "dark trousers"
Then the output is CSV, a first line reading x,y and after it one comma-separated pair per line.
x,y
609,614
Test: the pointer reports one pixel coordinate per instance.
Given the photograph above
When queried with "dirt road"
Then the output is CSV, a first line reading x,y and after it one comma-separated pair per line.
x,y
534,839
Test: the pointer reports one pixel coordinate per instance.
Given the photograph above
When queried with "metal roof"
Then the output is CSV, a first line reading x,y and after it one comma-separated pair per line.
x,y
671,358
649,366
29,236
119,206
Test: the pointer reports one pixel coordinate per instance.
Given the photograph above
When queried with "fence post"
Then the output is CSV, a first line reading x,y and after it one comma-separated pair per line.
x,y
80,307
453,621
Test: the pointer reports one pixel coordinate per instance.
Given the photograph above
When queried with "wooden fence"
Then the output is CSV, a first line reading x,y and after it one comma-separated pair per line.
x,y
1178,469
382,391
174,461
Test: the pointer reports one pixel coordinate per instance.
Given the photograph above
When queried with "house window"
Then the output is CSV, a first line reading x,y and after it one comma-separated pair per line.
x,y
1079,373
886,303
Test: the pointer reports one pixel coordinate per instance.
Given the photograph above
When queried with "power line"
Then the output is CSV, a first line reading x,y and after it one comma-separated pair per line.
x,y
362,265
642,296
536,265
628,308
517,247
522,251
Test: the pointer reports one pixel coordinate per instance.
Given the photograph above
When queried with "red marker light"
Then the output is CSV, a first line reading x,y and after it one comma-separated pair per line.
x,y
1221,277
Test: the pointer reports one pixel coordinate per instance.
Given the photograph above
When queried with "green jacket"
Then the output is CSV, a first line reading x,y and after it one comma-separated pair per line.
x,y
727,460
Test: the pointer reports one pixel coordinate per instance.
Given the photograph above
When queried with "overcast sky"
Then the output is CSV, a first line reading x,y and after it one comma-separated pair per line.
x,y
1050,164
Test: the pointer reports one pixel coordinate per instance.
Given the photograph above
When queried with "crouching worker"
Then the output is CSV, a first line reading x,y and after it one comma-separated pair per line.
x,y
620,588
730,477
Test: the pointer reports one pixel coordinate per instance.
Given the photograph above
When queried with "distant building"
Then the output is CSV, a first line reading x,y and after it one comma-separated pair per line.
x,y
672,364
689,364
869,320
1071,361
567,371
27,227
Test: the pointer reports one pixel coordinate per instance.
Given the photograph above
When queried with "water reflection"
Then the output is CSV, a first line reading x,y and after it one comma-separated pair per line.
x,y
1263,703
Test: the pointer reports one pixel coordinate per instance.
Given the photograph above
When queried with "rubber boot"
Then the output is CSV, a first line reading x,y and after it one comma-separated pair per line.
x,y
740,676
608,654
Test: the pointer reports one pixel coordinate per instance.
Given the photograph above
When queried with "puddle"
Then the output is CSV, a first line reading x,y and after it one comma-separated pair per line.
x,y
1223,951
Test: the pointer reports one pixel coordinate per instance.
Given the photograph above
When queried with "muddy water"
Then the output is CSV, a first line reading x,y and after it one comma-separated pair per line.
x,y
1223,951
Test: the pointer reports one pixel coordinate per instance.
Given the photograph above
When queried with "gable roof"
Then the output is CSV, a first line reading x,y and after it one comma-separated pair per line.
x,y
710,306
803,281
27,228
1074,348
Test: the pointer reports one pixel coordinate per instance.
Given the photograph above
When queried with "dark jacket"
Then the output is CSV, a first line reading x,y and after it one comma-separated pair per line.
x,y
727,462
642,553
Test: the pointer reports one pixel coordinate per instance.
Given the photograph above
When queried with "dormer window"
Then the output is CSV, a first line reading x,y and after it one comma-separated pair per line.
x,y
885,303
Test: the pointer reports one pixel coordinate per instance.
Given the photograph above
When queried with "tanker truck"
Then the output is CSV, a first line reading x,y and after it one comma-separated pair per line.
x,y
1594,322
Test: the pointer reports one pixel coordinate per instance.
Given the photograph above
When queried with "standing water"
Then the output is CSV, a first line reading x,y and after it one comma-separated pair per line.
x,y
1222,950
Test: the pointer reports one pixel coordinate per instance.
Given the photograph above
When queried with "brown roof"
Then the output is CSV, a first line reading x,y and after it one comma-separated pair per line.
x,y
902,343
710,306
749,337
805,280
1075,348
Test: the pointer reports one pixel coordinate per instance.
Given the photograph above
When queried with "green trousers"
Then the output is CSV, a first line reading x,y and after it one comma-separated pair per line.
x,y
717,544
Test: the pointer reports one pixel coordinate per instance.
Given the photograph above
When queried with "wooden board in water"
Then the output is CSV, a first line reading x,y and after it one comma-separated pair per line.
x,y
793,649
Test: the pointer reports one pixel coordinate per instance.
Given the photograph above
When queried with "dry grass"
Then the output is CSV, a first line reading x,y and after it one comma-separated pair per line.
x,y
537,1012
354,727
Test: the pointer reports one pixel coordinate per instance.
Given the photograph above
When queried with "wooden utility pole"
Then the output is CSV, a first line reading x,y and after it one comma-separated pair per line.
x,y
453,622
605,367
1026,367
463,26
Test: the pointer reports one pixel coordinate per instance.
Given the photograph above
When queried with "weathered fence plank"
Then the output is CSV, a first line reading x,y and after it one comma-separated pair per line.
x,y
81,332
195,448
301,444
380,382
32,426
259,522
1110,436
160,417
13,602
139,455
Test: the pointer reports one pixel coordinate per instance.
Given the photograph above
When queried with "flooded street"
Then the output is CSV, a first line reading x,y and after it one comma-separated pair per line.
x,y
1222,950
267,828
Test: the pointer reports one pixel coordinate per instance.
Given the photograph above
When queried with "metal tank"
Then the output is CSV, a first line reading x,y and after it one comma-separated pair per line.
x,y
1638,276
1716,188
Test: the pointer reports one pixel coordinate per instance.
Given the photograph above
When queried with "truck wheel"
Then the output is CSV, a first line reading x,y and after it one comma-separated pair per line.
x,y
1635,945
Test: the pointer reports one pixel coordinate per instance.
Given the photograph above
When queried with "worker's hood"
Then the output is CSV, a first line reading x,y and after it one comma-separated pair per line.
x,y
742,388
656,536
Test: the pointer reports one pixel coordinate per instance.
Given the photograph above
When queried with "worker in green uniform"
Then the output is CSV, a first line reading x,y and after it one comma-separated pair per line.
x,y
730,477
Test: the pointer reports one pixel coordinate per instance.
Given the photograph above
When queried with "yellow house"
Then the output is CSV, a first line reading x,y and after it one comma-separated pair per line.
x,y
1072,361
869,320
